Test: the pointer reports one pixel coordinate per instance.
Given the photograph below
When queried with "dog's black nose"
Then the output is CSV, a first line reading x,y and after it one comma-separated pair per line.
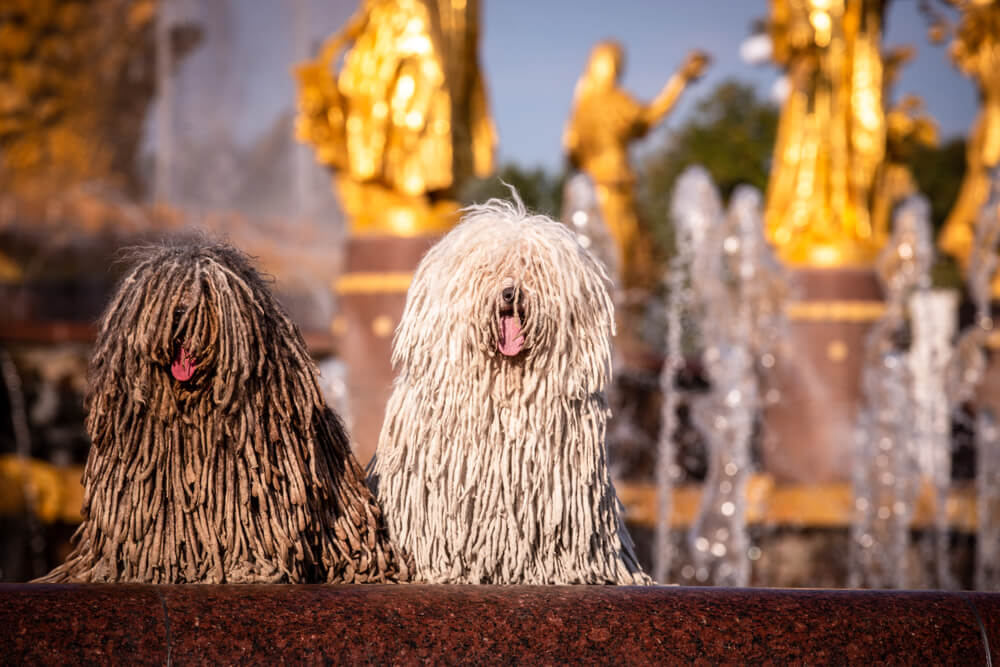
x,y
508,295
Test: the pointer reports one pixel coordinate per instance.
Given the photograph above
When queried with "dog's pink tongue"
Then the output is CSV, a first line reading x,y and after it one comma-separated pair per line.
x,y
511,339
183,367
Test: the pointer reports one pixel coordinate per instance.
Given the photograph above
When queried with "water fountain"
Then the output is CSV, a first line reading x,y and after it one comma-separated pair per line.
x,y
741,290
164,116
724,277
581,211
695,207
971,368
987,576
333,384
884,492
933,320
886,478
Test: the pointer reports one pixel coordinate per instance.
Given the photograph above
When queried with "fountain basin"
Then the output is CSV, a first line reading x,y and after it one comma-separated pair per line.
x,y
489,624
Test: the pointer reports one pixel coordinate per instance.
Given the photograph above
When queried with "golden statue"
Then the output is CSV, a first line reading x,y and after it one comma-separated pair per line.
x,y
605,119
975,50
831,133
405,120
72,101
907,127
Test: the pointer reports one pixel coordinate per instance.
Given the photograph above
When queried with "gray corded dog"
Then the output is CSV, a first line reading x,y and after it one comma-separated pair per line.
x,y
214,458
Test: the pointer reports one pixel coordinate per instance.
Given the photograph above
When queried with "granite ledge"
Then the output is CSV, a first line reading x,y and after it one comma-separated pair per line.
x,y
490,624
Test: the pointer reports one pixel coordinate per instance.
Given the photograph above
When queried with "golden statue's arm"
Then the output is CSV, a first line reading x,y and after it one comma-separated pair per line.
x,y
692,69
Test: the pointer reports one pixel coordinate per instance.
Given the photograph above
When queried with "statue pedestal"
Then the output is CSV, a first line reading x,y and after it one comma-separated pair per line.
x,y
372,293
809,431
987,394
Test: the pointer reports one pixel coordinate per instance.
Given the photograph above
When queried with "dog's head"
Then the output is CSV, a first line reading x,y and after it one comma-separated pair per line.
x,y
190,318
505,287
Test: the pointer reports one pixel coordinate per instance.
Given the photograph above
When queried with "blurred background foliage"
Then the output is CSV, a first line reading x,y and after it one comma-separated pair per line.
x,y
731,134
540,189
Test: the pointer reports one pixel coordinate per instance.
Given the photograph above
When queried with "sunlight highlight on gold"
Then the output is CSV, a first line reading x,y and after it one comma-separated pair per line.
x,y
831,134
404,120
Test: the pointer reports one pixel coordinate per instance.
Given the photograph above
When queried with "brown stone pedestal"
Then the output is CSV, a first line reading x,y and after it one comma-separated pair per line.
x,y
987,394
809,432
372,293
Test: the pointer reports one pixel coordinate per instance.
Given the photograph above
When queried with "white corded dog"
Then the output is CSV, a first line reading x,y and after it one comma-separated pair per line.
x,y
492,465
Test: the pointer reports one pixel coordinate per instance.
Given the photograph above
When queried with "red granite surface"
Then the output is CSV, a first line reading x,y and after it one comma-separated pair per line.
x,y
72,625
487,624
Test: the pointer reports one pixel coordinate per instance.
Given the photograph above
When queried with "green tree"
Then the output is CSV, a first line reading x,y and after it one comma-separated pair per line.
x,y
540,191
731,134
938,171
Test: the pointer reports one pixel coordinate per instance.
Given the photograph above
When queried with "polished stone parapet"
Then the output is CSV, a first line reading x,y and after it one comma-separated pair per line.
x,y
490,624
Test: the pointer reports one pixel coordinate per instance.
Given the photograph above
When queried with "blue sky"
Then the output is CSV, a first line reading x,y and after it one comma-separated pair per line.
x,y
533,52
